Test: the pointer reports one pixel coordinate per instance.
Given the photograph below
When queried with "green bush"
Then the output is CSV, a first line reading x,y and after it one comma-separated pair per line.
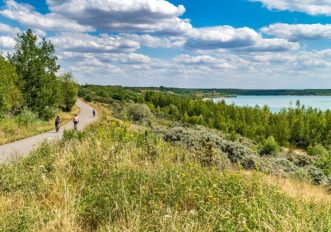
x,y
269,147
139,112
26,118
88,98
318,150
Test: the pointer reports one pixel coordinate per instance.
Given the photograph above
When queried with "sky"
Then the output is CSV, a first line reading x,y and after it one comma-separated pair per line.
x,y
252,44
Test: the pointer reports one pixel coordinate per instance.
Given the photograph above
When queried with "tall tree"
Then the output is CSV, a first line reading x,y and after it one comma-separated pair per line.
x,y
69,91
36,66
10,95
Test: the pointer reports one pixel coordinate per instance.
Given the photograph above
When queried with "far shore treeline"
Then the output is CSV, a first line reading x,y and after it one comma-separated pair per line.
x,y
29,81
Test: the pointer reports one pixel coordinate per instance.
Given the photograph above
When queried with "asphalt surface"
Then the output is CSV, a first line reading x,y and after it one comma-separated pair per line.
x,y
22,148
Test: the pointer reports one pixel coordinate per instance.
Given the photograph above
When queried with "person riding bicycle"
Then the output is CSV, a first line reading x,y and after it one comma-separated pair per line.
x,y
76,121
57,123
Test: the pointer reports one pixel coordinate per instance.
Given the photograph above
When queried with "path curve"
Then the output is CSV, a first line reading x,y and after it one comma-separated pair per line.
x,y
23,147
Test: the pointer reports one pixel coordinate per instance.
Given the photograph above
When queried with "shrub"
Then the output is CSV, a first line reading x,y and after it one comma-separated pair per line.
x,y
139,112
26,118
318,150
269,147
88,98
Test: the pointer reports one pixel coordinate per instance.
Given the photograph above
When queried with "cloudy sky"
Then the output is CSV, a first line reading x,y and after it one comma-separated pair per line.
x,y
182,43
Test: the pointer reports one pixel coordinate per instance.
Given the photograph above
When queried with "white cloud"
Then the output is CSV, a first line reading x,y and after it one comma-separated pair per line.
x,y
153,41
79,42
27,16
7,42
311,7
227,37
6,29
221,37
296,32
269,45
124,16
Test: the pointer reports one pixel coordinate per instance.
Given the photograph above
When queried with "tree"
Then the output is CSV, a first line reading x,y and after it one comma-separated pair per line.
x,y
10,95
36,67
69,91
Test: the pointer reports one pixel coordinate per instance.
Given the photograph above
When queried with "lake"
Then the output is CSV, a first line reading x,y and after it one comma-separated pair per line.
x,y
277,103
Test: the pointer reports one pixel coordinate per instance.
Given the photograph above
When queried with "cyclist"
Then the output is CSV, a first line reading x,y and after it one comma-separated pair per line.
x,y
57,123
76,121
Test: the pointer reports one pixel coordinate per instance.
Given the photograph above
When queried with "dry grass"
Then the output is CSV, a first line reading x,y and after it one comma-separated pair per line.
x,y
300,190
296,189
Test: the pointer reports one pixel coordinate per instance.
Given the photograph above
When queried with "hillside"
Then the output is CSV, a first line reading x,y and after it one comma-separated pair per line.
x,y
124,176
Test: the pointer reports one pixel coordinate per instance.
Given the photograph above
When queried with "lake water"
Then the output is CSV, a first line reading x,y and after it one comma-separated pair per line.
x,y
276,103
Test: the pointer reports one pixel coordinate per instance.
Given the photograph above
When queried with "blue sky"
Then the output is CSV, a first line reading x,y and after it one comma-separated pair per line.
x,y
182,43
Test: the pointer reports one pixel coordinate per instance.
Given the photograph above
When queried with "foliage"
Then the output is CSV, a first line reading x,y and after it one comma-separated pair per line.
x,y
318,150
139,112
69,91
36,66
30,79
269,147
10,95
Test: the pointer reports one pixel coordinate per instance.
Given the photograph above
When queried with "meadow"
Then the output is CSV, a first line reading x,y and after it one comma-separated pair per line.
x,y
122,176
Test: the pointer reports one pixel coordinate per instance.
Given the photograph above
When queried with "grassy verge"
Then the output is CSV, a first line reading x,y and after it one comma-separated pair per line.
x,y
116,177
27,124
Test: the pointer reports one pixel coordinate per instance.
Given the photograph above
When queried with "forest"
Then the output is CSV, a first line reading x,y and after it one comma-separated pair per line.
x,y
29,80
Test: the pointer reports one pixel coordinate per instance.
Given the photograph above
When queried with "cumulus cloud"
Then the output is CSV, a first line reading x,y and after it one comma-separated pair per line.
x,y
85,43
296,32
27,16
272,45
7,42
153,41
221,37
6,29
124,16
227,37
311,7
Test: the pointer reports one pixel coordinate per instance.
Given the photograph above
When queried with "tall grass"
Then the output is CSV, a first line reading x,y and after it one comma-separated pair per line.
x,y
114,178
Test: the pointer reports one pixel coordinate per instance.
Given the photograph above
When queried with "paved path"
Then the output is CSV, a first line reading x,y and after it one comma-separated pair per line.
x,y
23,147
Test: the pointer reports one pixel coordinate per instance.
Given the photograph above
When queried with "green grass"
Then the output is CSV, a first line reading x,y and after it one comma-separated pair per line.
x,y
115,178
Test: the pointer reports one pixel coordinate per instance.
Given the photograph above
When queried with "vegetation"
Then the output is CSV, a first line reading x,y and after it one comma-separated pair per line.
x,y
30,82
122,177
294,128
27,123
209,93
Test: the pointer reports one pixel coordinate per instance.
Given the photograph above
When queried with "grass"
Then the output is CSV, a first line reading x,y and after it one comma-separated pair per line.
x,y
27,125
117,178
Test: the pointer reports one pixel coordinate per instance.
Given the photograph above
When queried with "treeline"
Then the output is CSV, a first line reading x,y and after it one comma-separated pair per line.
x,y
235,92
210,93
28,79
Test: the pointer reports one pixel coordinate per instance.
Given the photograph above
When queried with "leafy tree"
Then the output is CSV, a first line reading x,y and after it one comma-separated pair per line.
x,y
10,95
69,91
36,66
